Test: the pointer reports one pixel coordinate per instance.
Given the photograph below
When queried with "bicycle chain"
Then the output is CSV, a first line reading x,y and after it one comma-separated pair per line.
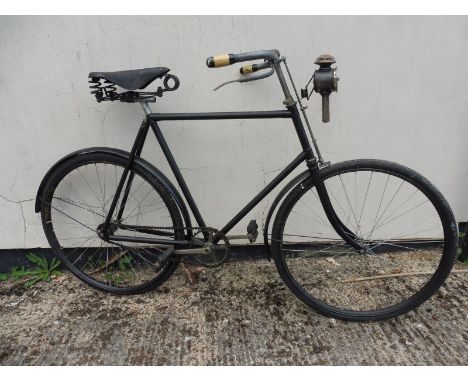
x,y
199,229
200,259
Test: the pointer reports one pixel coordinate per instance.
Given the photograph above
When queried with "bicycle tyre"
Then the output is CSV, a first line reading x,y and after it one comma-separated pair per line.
x,y
413,178
80,162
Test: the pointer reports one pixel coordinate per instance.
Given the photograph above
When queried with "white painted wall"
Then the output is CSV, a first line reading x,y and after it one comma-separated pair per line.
x,y
403,97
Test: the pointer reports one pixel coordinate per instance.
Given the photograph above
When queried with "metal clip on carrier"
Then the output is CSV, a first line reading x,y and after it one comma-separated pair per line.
x,y
105,90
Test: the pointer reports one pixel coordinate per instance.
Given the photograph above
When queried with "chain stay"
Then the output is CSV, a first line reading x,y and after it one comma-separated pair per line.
x,y
210,261
210,230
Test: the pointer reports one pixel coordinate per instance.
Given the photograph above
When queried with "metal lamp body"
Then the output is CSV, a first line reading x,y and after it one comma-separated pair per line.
x,y
325,82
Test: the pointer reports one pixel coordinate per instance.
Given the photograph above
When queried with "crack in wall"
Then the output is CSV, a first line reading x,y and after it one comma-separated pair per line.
x,y
14,181
20,204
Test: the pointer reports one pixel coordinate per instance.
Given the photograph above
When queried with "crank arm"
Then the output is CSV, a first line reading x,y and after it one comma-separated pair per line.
x,y
239,237
192,251
182,252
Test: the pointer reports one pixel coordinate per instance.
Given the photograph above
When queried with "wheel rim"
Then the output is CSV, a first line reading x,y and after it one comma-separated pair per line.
x,y
397,221
76,208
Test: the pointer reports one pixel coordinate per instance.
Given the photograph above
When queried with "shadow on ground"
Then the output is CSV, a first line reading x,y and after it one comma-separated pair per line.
x,y
241,315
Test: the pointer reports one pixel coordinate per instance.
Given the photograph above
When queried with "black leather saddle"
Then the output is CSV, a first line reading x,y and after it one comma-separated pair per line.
x,y
131,79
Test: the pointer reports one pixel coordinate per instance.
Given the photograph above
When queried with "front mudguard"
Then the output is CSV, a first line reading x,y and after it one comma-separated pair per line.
x,y
339,226
126,155
285,190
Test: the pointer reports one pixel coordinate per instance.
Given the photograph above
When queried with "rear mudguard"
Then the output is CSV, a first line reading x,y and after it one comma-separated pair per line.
x,y
121,154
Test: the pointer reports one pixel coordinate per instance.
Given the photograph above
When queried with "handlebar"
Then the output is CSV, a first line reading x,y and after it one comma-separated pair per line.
x,y
229,58
252,68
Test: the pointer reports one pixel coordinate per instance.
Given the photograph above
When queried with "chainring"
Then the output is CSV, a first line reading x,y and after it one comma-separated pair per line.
x,y
218,254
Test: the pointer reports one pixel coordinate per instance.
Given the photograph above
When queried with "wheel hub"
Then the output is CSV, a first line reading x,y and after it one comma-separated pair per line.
x,y
111,229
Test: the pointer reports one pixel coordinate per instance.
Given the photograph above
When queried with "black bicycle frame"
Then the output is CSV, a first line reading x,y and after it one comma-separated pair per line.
x,y
152,120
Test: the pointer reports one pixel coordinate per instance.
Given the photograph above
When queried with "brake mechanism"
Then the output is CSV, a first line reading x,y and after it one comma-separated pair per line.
x,y
254,77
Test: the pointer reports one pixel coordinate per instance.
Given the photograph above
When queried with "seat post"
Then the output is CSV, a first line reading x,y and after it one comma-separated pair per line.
x,y
146,107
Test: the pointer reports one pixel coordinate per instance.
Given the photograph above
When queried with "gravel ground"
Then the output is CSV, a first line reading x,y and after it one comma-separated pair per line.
x,y
241,315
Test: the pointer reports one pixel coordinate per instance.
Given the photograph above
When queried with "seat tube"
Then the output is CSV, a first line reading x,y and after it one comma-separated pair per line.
x,y
141,140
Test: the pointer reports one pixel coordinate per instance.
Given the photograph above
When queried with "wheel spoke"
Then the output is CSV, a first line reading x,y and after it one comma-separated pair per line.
x,y
396,228
78,207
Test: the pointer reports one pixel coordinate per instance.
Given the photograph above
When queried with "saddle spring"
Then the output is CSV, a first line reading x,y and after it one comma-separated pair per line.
x,y
105,90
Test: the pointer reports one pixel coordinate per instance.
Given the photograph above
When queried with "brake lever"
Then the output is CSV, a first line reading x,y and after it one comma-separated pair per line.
x,y
255,77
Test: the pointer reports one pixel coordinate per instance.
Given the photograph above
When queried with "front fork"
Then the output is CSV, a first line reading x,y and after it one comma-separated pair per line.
x,y
346,234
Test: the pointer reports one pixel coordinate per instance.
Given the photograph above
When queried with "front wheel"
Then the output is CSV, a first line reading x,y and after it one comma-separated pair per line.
x,y
406,232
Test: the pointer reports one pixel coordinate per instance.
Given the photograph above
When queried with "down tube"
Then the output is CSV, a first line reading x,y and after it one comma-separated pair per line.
x,y
269,187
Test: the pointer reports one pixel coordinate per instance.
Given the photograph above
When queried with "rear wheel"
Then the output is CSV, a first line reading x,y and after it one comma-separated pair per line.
x,y
75,204
404,228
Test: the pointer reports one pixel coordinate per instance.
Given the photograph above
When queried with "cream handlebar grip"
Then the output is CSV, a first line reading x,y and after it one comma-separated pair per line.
x,y
229,58
220,60
252,68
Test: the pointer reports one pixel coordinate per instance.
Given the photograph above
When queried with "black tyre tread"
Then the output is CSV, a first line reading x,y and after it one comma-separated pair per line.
x,y
439,202
75,162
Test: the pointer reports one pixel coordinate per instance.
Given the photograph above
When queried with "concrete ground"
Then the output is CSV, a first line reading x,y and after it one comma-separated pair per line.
x,y
241,315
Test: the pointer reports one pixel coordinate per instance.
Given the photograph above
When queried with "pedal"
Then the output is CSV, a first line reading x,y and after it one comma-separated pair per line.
x,y
165,255
252,231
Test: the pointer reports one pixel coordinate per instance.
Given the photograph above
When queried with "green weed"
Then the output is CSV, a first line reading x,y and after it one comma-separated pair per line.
x,y
43,270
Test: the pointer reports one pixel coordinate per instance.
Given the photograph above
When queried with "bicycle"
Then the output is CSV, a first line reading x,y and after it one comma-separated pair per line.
x,y
358,240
